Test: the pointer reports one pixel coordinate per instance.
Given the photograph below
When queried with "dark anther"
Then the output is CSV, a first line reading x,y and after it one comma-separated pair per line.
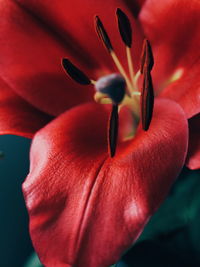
x,y
124,27
103,34
147,60
147,100
113,85
113,130
75,73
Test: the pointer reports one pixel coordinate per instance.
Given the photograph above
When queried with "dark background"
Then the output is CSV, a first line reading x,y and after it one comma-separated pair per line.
x,y
15,244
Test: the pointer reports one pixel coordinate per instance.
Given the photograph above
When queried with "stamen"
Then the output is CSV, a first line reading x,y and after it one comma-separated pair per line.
x,y
75,73
147,60
93,82
132,103
136,93
143,57
122,71
125,30
102,98
136,77
105,101
147,100
103,34
124,26
113,130
106,41
147,97
130,65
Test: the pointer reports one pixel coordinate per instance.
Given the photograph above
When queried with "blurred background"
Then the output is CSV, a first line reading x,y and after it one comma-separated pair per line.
x,y
171,238
15,245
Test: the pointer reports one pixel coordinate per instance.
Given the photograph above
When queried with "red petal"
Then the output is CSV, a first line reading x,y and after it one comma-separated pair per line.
x,y
135,6
86,209
35,35
193,158
17,116
186,91
172,26
78,25
31,53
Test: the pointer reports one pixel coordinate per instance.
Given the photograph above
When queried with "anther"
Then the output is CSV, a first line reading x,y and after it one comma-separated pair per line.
x,y
147,60
147,100
103,34
75,73
113,130
107,43
124,26
125,31
113,86
147,97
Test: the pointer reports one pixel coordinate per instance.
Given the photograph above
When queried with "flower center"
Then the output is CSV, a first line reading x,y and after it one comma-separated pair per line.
x,y
121,89
111,86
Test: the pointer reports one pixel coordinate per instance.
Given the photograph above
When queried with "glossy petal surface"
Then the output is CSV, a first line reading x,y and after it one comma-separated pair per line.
x,y
17,116
186,90
89,207
135,6
193,158
31,63
172,26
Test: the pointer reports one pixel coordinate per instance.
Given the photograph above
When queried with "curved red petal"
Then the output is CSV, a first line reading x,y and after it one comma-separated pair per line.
x,y
68,19
31,54
193,158
186,90
86,209
31,63
135,6
17,116
172,26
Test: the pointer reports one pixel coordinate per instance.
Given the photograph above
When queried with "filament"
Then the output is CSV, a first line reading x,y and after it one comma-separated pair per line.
x,y
130,64
121,70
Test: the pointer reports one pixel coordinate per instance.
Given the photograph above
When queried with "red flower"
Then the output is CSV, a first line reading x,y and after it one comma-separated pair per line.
x,y
87,208
30,67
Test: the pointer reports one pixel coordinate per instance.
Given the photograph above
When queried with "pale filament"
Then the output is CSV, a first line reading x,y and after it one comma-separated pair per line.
x,y
130,65
131,86
137,75
93,82
122,71
102,98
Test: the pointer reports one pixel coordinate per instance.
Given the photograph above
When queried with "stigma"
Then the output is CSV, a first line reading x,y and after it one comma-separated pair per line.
x,y
121,88
112,86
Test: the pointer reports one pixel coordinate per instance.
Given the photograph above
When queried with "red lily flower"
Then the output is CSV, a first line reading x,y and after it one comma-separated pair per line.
x,y
73,187
85,208
37,77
